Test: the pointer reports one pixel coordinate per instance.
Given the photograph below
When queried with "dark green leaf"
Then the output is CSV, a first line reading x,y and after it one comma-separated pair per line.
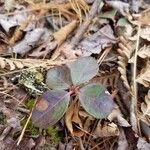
x,y
50,108
96,100
83,69
122,22
58,78
108,14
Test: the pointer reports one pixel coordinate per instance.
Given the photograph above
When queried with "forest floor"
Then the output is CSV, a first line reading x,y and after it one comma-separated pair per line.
x,y
74,74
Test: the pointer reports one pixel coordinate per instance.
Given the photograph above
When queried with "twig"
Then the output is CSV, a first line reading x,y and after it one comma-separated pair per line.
x,y
5,133
39,63
23,110
94,127
86,24
9,96
103,56
133,108
25,126
81,144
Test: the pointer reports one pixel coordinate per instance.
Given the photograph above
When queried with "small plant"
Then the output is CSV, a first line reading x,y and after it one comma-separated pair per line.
x,y
54,136
31,129
71,79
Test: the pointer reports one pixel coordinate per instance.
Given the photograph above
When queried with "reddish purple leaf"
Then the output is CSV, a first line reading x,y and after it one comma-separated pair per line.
x,y
58,78
96,100
50,107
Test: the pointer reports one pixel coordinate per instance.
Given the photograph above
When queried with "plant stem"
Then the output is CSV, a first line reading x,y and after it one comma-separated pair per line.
x,y
133,108
25,126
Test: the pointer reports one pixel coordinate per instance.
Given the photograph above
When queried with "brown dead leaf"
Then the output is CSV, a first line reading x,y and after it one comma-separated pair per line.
x,y
93,44
145,106
116,114
18,33
7,22
144,19
145,33
9,5
106,130
144,52
61,35
30,41
144,76
122,7
44,50
68,52
72,117
88,120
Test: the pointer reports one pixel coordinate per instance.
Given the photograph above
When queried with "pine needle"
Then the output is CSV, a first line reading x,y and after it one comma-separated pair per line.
x,y
25,126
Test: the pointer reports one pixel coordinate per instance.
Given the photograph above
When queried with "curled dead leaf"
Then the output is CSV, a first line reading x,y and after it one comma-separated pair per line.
x,y
71,117
116,114
106,130
145,106
62,34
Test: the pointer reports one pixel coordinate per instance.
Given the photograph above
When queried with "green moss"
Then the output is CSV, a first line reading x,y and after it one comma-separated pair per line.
x,y
29,103
31,129
54,136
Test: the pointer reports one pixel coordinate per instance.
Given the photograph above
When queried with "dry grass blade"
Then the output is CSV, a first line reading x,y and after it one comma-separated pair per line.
x,y
64,9
133,107
30,63
25,126
78,6
103,56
